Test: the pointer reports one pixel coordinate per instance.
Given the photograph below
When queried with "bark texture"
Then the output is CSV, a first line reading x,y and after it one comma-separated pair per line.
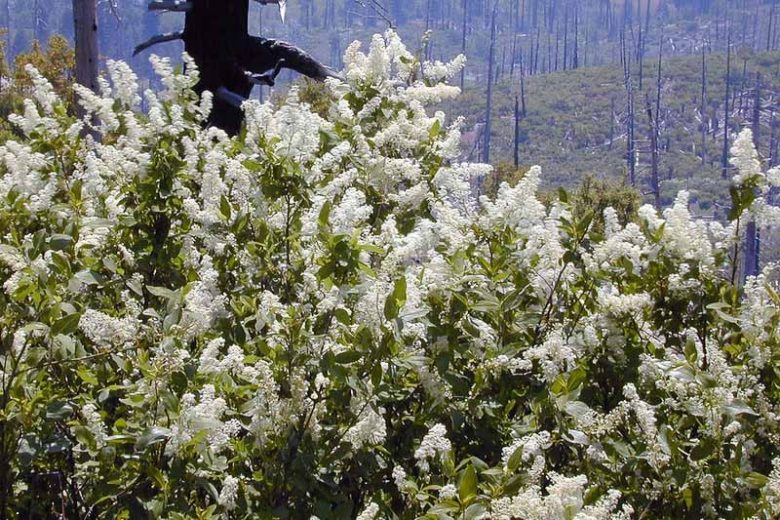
x,y
86,27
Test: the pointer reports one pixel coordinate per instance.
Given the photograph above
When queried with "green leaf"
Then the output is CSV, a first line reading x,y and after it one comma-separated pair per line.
x,y
688,497
58,410
157,477
396,300
702,450
391,308
67,325
135,286
576,378
342,315
756,480
324,216
350,356
90,278
515,459
376,375
467,487
161,292
224,207
474,511
87,376
435,129
576,437
584,224
691,354
399,291
577,409
60,242
737,407
155,435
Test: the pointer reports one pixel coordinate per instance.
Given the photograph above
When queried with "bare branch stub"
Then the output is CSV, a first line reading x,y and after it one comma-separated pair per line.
x,y
230,60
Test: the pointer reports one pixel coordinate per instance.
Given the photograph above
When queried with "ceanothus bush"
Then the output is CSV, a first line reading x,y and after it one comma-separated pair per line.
x,y
323,318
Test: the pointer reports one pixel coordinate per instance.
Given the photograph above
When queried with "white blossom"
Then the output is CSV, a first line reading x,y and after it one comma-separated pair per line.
x,y
228,493
370,429
104,330
369,513
433,444
94,424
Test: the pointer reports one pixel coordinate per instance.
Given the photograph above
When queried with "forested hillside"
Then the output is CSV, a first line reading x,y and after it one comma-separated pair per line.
x,y
576,123
613,45
545,35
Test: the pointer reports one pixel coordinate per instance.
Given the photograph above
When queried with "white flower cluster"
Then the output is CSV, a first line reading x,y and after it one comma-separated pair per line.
x,y
555,355
294,129
369,513
210,363
203,416
228,493
204,303
438,71
564,499
747,165
744,158
434,443
25,174
685,236
532,448
94,424
771,490
370,429
104,330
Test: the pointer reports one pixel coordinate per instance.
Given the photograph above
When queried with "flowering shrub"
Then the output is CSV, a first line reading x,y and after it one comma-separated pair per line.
x,y
322,318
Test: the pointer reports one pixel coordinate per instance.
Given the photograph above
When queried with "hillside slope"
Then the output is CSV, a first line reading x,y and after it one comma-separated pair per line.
x,y
570,120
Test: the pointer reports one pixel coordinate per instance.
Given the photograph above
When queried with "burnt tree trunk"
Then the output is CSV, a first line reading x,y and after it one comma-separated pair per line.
x,y
517,132
8,26
655,184
231,61
725,154
566,37
771,27
751,266
576,51
773,140
703,108
655,133
86,27
463,41
640,54
523,111
491,65
630,151
611,122
536,53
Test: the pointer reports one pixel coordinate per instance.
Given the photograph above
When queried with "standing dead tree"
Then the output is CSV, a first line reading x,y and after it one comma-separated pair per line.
x,y
630,118
517,132
231,61
491,65
654,120
703,106
463,41
86,27
726,111
752,252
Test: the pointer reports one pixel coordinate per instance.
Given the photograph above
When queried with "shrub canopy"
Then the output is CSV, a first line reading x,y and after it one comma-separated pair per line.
x,y
322,318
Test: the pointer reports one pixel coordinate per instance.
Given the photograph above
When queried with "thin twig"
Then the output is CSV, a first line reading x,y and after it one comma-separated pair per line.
x,y
379,9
